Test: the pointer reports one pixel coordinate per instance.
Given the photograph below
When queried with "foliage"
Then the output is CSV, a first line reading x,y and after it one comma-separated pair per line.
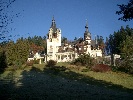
x,y
127,47
107,61
17,53
3,63
117,39
30,63
63,40
125,65
99,60
34,48
37,40
121,43
126,11
116,44
10,53
18,63
51,63
127,55
101,68
100,43
22,49
37,44
36,61
75,39
84,60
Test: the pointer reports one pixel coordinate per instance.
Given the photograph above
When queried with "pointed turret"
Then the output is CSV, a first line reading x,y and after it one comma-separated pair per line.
x,y
86,26
53,25
87,34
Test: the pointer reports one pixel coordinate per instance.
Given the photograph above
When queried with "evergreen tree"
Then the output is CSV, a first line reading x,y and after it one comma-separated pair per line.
x,y
10,53
38,42
101,43
17,53
127,47
63,40
75,39
117,40
3,63
22,50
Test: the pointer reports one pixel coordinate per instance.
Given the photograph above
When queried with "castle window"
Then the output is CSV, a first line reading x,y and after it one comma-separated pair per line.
x,y
69,56
62,57
58,56
73,55
86,42
50,40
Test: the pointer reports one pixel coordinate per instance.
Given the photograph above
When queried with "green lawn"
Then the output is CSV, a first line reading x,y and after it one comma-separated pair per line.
x,y
64,82
118,78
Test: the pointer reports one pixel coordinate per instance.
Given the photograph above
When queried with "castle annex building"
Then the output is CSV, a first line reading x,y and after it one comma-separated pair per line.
x,y
63,52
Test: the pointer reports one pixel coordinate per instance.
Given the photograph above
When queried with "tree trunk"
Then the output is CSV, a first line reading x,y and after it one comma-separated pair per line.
x,y
112,59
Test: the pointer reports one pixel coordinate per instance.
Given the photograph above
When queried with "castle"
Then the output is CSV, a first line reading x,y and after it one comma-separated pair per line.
x,y
64,52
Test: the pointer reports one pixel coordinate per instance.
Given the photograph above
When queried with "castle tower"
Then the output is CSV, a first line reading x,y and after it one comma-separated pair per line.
x,y
87,38
53,41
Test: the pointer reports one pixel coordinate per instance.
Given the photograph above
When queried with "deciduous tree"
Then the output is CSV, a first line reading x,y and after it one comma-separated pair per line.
x,y
126,10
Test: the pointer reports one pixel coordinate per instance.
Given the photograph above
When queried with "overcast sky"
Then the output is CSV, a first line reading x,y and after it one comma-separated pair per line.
x,y
70,16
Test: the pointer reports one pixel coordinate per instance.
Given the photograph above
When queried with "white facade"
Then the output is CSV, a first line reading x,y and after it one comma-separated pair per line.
x,y
53,41
65,53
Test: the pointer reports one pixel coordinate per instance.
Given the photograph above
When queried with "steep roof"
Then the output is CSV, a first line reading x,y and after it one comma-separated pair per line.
x,y
87,29
53,25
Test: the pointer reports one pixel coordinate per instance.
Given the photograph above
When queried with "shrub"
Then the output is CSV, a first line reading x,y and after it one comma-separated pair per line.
x,y
85,70
36,61
51,63
84,60
78,63
124,65
101,68
17,63
30,63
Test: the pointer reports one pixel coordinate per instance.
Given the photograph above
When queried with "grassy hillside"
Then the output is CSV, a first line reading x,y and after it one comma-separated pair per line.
x,y
64,81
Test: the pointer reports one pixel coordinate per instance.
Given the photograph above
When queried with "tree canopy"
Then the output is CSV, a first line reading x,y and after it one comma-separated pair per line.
x,y
121,42
126,10
115,41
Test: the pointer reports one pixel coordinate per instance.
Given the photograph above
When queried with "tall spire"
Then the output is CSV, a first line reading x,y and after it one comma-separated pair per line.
x,y
86,26
53,22
87,34
53,25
